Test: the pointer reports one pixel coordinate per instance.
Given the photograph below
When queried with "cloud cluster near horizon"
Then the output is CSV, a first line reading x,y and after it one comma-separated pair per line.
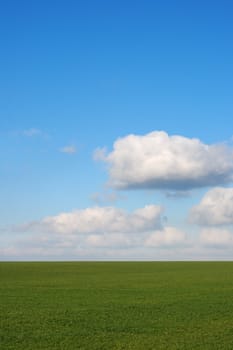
x,y
97,228
215,208
159,161
214,214
100,220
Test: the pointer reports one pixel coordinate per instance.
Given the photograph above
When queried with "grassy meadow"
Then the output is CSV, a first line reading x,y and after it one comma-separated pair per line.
x,y
116,305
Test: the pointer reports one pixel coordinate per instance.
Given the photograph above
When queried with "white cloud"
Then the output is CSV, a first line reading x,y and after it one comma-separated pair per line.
x,y
165,237
216,237
159,161
100,220
69,149
216,208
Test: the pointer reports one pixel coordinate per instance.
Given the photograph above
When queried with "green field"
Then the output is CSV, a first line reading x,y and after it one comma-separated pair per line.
x,y
116,305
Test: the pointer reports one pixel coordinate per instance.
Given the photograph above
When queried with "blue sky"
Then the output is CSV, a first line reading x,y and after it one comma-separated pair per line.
x,y
78,76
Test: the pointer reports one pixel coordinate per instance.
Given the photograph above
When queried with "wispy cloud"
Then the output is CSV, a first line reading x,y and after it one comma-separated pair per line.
x,y
101,198
177,194
68,149
32,132
100,154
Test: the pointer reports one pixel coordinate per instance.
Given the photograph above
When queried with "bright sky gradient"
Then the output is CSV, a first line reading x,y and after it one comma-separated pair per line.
x,y
116,130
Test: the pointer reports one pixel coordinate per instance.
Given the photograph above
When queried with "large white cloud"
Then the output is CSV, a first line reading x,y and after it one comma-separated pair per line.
x,y
101,220
216,208
159,161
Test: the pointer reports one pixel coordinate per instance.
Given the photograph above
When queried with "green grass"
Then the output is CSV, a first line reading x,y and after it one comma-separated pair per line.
x,y
116,305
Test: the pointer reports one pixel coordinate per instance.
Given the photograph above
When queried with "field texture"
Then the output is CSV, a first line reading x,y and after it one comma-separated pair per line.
x,y
133,305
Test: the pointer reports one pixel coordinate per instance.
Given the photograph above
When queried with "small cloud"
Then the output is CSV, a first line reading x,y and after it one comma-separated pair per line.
x,y
68,150
100,154
106,197
32,132
177,194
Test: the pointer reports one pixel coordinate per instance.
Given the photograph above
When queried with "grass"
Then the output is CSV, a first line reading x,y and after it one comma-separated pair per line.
x,y
116,305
